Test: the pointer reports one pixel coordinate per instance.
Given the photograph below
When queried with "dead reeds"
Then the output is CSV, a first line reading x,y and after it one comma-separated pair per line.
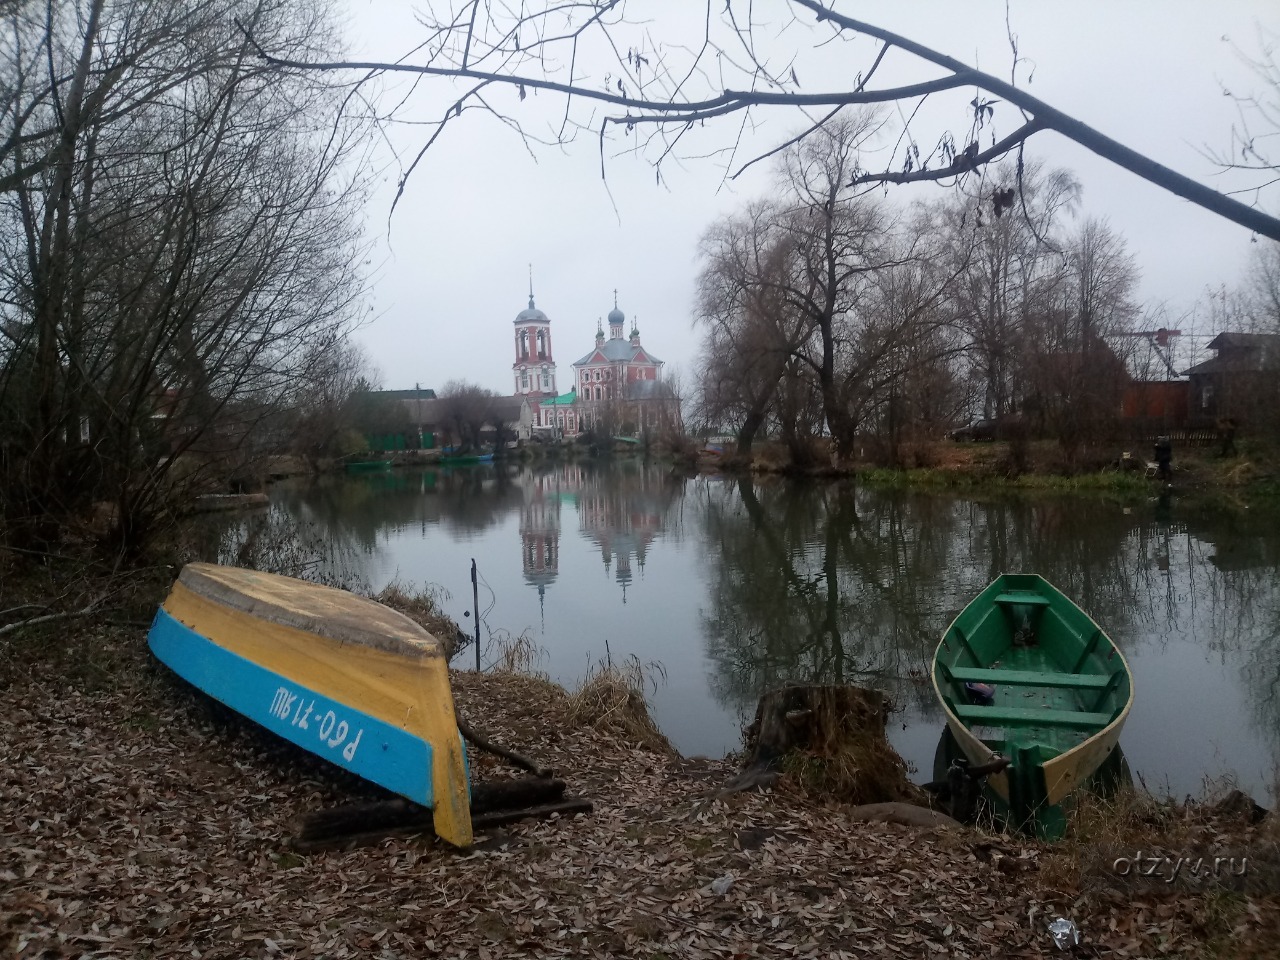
x,y
422,606
611,699
516,654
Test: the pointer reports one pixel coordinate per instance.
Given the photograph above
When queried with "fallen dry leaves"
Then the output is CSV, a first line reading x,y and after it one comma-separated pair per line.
x,y
137,819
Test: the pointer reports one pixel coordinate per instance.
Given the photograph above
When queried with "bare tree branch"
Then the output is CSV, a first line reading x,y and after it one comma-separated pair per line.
x,y
504,57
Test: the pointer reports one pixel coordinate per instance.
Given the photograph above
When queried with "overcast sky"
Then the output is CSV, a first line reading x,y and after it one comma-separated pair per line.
x,y
452,267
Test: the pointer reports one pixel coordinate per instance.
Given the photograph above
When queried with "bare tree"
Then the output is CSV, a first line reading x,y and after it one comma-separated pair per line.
x,y
751,330
178,238
326,414
1076,377
1262,289
660,86
820,304
840,239
1009,268
465,409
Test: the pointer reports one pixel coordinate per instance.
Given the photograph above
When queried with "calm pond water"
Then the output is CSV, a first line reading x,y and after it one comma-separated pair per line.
x,y
734,587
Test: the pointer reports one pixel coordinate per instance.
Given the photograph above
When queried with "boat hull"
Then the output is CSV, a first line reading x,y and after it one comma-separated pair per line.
x,y
374,700
1061,692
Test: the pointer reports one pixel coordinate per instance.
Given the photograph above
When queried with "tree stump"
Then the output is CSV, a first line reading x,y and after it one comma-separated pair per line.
x,y
831,741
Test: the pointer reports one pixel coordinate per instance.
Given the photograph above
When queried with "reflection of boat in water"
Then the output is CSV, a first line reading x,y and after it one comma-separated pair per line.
x,y
339,675
1025,674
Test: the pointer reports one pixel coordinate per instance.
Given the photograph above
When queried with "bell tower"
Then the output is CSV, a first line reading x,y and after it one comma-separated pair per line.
x,y
534,369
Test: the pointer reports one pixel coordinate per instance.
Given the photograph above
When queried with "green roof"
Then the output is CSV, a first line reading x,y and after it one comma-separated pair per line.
x,y
564,400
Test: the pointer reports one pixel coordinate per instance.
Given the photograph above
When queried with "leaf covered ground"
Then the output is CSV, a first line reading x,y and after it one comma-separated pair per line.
x,y
138,819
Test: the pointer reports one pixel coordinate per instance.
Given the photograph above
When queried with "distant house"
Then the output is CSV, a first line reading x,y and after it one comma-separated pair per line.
x,y
1237,381
1068,385
517,415
429,420
1156,396
398,419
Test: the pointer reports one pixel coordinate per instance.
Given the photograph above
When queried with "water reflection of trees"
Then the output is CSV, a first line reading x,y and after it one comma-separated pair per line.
x,y
829,585
832,583
360,508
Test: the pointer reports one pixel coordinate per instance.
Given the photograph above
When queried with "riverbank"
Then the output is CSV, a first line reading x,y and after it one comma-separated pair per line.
x,y
1253,472
139,819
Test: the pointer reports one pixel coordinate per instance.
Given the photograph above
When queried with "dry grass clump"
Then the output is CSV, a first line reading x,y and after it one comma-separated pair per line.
x,y
422,606
855,772
516,654
838,748
611,699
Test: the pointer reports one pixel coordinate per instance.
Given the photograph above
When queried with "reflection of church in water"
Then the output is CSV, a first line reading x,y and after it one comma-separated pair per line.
x,y
621,511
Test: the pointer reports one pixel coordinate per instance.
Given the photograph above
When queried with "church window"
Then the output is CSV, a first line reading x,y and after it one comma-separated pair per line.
x,y
597,393
597,376
524,379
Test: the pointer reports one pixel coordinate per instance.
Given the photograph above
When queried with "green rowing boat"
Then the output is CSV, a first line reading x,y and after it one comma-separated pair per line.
x,y
1025,674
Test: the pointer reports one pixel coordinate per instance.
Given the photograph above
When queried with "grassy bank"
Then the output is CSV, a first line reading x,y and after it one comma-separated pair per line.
x,y
1116,469
1127,484
139,819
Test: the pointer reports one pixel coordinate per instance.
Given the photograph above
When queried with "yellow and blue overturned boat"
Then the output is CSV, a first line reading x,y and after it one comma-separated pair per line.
x,y
342,676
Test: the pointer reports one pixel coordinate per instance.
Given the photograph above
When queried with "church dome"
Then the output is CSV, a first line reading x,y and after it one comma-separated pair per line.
x,y
532,313
616,316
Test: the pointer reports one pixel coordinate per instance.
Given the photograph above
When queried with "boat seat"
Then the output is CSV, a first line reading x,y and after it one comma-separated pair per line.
x,y
1031,678
1028,598
1031,716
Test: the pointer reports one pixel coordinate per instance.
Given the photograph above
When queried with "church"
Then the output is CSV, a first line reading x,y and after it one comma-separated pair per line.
x,y
617,386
